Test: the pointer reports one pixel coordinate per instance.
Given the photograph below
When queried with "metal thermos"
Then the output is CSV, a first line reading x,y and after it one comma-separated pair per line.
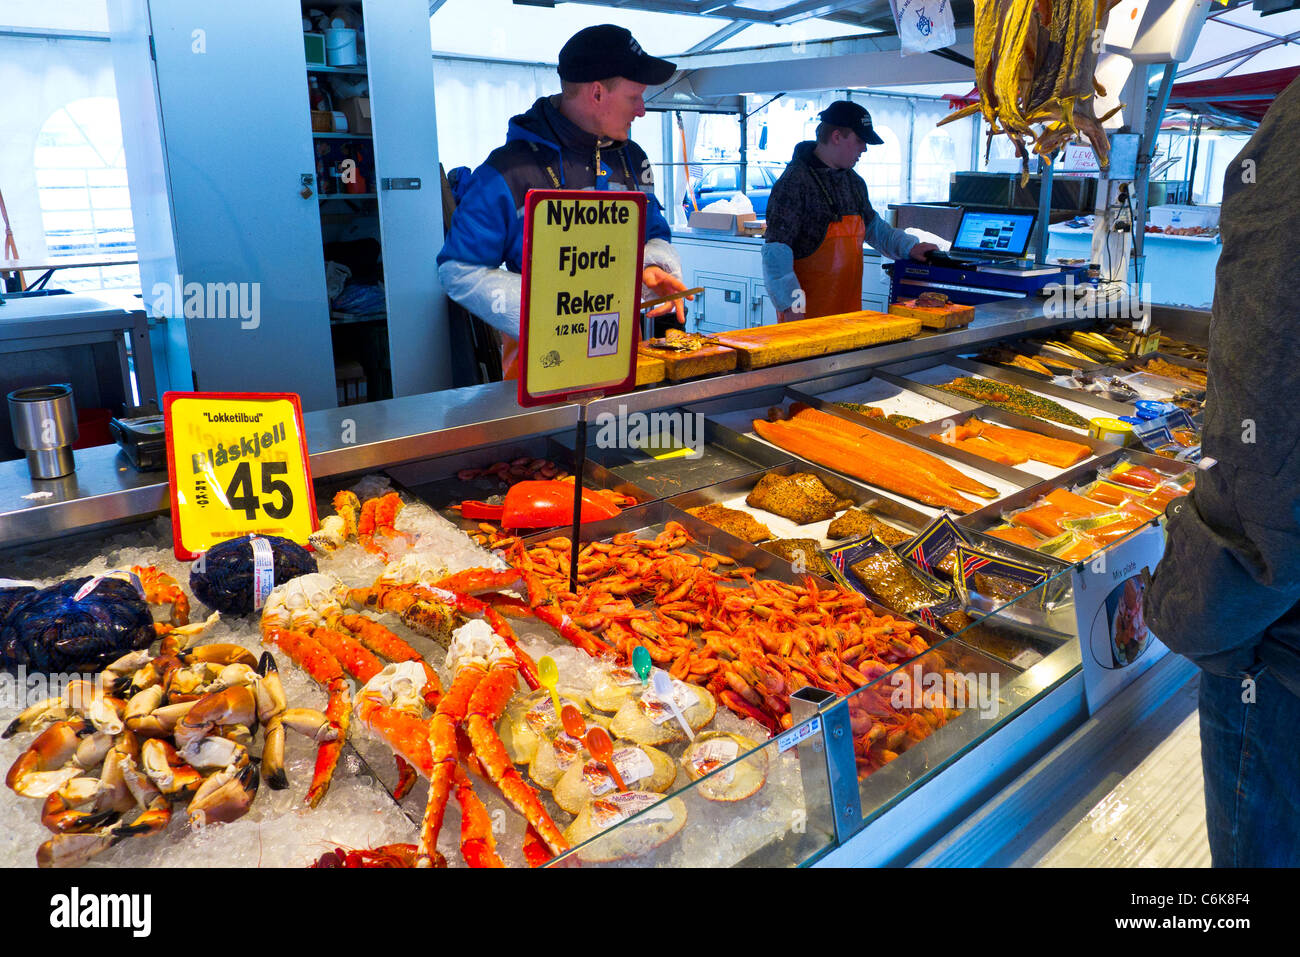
x,y
44,420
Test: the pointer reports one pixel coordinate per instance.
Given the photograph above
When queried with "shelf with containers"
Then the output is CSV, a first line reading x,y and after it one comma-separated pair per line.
x,y
263,216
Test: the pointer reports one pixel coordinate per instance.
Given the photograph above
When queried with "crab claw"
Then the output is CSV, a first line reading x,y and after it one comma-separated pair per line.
x,y
226,795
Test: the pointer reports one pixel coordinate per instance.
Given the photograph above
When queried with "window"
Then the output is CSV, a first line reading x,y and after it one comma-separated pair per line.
x,y
81,180
882,168
721,178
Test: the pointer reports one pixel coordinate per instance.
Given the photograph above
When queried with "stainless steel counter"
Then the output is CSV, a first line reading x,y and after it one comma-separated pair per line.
x,y
106,490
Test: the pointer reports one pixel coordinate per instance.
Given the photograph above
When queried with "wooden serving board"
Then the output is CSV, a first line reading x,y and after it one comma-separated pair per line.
x,y
688,365
949,316
649,370
806,338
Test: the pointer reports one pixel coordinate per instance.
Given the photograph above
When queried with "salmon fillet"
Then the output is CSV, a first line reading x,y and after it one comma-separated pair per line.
x,y
816,420
843,454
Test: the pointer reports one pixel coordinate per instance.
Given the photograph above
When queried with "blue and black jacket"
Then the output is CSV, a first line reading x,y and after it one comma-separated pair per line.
x,y
543,150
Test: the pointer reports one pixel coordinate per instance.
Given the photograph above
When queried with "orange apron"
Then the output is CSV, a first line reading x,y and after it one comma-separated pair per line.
x,y
831,278
509,358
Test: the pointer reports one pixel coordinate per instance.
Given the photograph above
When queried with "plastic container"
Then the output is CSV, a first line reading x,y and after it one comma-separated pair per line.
x,y
1151,409
1111,430
341,46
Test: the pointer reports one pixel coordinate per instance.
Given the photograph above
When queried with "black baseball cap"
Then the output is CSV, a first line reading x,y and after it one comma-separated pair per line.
x,y
847,113
601,52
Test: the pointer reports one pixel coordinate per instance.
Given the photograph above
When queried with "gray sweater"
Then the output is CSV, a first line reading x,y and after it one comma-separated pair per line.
x,y
1227,593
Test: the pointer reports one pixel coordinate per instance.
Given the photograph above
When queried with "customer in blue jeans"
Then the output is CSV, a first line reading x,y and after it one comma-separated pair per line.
x,y
1227,593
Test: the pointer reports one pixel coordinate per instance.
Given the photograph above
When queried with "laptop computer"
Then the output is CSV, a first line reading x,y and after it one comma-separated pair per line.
x,y
985,238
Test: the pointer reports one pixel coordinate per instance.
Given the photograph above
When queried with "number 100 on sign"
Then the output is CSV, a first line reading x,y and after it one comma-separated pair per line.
x,y
602,335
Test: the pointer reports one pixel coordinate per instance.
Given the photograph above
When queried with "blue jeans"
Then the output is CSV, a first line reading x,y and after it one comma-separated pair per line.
x,y
1250,753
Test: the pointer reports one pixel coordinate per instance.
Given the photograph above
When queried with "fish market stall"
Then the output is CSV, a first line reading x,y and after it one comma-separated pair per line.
x,y
765,642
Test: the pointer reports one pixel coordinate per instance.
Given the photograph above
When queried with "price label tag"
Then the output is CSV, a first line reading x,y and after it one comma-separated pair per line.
x,y
237,464
581,293
603,337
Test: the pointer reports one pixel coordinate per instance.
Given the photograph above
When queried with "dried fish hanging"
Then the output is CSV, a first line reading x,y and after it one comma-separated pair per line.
x,y
1034,66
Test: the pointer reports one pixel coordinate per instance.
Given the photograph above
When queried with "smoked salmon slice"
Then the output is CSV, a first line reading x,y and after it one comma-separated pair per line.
x,y
1109,493
1044,519
1017,535
1075,505
1042,448
978,445
843,454
892,449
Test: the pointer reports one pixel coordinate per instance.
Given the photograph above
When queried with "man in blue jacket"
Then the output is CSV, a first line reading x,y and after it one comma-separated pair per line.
x,y
578,139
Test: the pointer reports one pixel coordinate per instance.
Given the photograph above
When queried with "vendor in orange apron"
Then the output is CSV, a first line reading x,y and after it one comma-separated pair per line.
x,y
831,278
818,218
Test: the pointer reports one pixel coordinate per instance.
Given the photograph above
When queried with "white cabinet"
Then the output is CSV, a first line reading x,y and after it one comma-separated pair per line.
x,y
735,296
215,106
724,304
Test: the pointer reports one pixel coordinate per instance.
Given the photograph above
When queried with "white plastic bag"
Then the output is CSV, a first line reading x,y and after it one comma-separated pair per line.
x,y
924,25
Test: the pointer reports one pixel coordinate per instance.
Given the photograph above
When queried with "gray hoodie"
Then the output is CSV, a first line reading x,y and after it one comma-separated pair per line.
x,y
1227,593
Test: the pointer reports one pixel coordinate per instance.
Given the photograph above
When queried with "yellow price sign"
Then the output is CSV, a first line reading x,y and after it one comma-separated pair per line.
x,y
581,293
237,464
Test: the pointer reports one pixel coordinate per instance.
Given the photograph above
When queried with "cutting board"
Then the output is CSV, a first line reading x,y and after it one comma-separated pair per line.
x,y
687,365
649,370
806,338
948,316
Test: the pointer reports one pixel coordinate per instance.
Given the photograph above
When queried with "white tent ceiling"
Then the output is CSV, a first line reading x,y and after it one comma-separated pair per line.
x,y
1235,39
1229,42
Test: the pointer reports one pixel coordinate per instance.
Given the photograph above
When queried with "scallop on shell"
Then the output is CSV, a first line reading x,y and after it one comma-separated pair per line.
x,y
657,821
650,770
638,722
738,779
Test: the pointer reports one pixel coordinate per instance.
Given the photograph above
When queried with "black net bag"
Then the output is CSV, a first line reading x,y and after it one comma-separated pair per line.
x,y
223,579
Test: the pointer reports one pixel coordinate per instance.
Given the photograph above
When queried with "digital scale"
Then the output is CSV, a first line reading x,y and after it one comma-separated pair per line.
x,y
985,263
144,441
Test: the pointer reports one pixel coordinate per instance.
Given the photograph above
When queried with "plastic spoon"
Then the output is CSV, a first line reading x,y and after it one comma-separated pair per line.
x,y
549,675
663,688
602,749
641,663
571,718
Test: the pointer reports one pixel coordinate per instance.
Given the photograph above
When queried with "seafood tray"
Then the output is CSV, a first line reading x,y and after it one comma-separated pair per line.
x,y
439,482
733,492
742,421
1040,470
887,393
281,830
992,515
725,455
1085,403
1035,349
1134,370
1138,362
920,439
1078,402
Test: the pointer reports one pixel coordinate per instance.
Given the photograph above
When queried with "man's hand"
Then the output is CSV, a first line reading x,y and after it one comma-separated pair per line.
x,y
920,249
663,283
789,315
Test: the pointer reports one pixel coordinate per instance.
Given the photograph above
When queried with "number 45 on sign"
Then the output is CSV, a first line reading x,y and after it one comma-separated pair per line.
x,y
237,464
